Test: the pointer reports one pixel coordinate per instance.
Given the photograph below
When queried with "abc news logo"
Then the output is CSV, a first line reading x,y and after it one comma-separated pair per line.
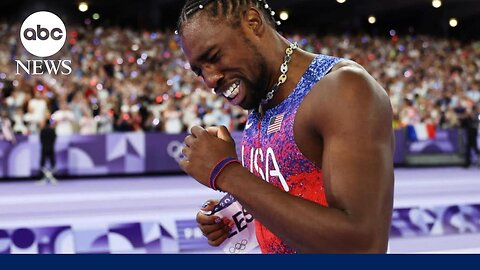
x,y
43,34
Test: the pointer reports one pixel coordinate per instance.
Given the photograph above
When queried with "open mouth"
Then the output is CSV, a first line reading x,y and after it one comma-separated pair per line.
x,y
233,91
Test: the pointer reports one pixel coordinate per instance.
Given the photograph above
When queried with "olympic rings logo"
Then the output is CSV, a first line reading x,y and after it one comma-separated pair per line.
x,y
239,247
174,150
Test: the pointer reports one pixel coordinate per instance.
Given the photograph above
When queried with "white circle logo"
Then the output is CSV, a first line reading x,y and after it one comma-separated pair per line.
x,y
43,34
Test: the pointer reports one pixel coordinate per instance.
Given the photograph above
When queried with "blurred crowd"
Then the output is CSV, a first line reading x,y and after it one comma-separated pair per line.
x,y
125,80
122,80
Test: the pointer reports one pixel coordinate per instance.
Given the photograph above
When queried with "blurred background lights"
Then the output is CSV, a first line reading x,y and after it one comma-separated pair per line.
x,y
436,3
453,22
284,15
83,6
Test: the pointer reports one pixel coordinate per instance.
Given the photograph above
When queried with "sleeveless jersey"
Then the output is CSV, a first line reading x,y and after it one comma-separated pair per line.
x,y
269,151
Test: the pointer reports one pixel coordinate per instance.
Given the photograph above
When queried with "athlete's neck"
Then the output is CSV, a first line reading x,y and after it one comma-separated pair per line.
x,y
296,68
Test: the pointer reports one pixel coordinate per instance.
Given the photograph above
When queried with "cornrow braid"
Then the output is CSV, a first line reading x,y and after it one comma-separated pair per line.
x,y
218,8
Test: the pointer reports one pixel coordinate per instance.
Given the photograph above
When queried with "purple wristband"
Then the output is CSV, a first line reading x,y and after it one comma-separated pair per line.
x,y
218,169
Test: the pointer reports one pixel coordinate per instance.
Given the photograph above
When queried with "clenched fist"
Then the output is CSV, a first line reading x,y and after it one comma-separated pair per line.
x,y
204,148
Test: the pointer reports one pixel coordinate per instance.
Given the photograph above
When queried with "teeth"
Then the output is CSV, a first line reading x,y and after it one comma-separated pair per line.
x,y
232,91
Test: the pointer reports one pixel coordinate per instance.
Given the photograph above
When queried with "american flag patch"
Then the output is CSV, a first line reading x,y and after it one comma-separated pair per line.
x,y
275,124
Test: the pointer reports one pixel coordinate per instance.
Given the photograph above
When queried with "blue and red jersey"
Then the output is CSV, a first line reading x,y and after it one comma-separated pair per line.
x,y
270,152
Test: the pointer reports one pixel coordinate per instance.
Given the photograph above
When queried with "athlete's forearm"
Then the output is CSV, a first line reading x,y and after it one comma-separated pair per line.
x,y
302,224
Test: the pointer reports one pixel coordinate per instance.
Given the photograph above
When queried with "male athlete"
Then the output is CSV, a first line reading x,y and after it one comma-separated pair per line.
x,y
317,150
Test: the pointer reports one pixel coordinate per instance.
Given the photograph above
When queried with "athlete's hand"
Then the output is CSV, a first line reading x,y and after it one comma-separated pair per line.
x,y
204,148
214,228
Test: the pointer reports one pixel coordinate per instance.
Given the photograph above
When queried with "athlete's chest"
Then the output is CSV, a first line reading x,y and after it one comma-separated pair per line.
x,y
260,154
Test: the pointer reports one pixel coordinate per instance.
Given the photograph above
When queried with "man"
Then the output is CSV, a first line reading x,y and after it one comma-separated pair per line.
x,y
319,133
470,123
47,142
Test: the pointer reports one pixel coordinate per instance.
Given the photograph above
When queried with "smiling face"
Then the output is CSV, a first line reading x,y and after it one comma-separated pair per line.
x,y
226,58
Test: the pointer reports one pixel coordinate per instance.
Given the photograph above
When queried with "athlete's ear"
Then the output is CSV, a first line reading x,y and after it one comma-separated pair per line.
x,y
254,21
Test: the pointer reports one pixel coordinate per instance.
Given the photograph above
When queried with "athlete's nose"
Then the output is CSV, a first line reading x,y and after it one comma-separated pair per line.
x,y
212,77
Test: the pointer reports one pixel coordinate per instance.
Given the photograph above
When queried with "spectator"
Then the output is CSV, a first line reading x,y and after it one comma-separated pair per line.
x,y
172,116
19,126
6,128
104,121
64,120
37,109
87,124
426,78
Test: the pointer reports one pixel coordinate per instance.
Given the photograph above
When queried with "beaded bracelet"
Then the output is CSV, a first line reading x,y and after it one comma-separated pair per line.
x,y
218,169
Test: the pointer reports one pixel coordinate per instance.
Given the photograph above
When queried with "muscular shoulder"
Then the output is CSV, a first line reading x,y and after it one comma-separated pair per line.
x,y
350,82
348,93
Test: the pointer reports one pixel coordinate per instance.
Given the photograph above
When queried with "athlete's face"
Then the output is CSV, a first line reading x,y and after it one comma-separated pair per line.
x,y
226,59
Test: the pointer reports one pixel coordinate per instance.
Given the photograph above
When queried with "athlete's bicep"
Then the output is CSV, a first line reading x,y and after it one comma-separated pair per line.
x,y
357,155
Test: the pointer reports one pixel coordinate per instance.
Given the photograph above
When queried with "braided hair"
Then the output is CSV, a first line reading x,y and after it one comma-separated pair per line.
x,y
225,8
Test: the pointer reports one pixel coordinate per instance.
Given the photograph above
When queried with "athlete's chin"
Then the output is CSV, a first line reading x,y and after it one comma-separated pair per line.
x,y
245,99
248,105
